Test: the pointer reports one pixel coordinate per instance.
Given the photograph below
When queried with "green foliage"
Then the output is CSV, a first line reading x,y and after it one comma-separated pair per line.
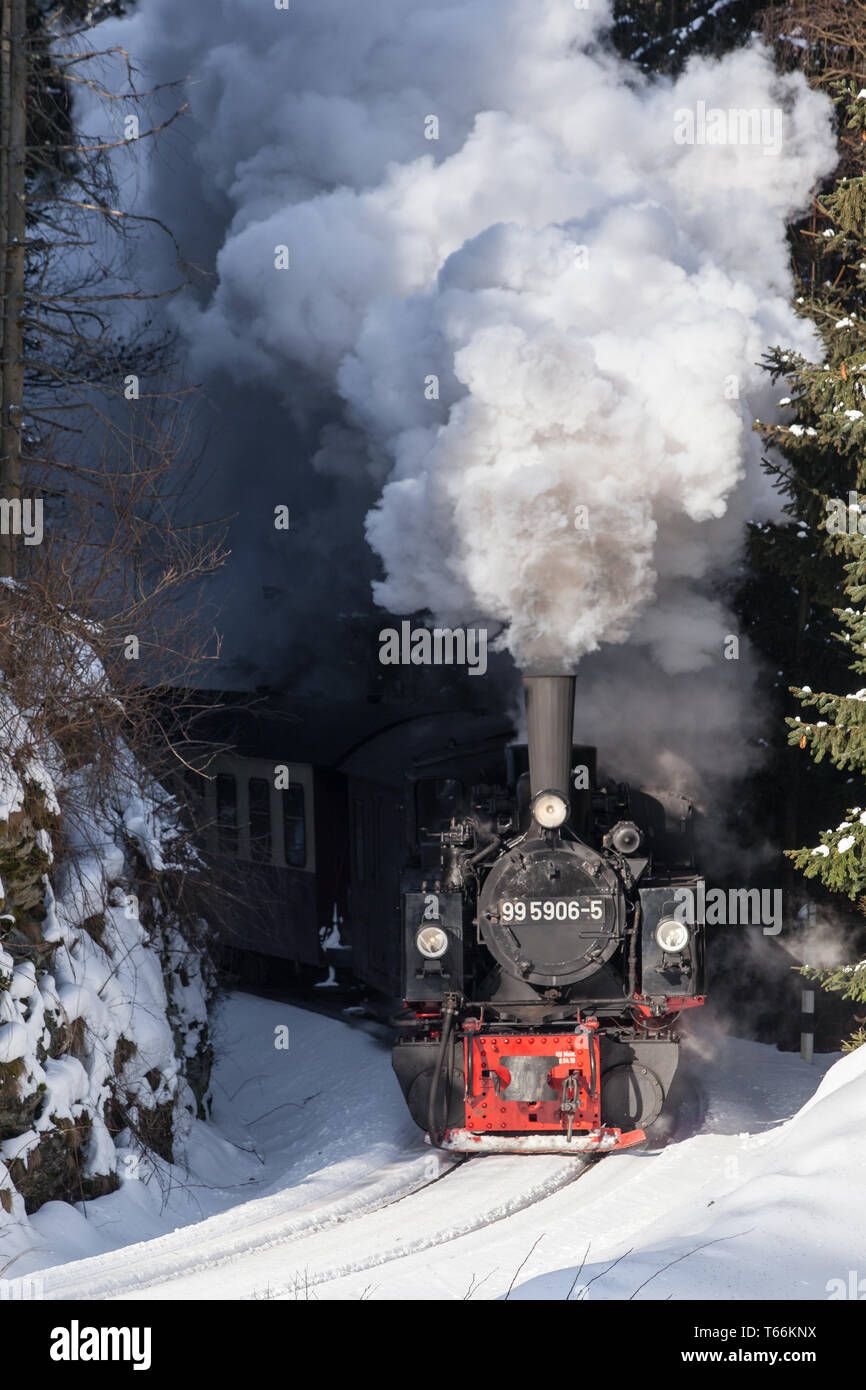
x,y
839,861
850,982
819,464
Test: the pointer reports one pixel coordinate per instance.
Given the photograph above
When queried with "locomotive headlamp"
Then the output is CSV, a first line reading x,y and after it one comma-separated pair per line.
x,y
432,942
549,809
625,837
672,936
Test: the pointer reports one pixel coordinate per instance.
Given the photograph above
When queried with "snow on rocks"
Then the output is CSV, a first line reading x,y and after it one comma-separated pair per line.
x,y
103,990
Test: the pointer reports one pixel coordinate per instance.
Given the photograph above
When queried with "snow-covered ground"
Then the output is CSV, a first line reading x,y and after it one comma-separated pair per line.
x,y
313,1183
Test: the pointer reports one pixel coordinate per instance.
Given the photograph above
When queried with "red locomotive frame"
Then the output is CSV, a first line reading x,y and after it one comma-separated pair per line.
x,y
566,1065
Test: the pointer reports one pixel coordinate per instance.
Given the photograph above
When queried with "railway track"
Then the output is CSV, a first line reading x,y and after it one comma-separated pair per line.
x,y
278,1247
432,1226
326,1223
259,1224
265,1252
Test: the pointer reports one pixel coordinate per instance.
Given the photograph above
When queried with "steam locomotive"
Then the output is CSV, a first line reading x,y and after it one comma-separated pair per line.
x,y
533,924
550,944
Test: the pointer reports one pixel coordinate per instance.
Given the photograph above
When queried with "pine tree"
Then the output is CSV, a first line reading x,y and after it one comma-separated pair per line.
x,y
661,35
821,465
837,731
792,582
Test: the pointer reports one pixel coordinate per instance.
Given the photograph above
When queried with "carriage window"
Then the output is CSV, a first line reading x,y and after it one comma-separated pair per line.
x,y
227,813
358,841
294,830
260,819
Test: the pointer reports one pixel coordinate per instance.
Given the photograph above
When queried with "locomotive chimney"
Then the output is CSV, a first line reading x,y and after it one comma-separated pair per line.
x,y
549,724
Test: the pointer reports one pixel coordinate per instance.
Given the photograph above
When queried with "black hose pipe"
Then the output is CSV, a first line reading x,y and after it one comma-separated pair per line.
x,y
436,1135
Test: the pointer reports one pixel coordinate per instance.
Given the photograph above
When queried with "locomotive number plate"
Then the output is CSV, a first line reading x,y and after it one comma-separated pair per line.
x,y
552,909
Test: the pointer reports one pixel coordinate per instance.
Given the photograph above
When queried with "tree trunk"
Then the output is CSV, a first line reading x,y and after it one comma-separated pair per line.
x,y
13,233
791,877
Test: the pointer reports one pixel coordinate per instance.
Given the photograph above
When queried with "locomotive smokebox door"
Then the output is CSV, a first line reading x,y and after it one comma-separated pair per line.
x,y
432,945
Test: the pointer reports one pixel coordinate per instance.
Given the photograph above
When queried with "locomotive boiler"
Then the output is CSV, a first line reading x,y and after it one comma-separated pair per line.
x,y
549,950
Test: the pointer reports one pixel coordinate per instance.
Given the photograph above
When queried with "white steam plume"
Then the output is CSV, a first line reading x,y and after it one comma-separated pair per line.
x,y
585,289
568,377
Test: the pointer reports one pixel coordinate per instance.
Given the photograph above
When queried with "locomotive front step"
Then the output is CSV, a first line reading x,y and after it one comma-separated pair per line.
x,y
597,1141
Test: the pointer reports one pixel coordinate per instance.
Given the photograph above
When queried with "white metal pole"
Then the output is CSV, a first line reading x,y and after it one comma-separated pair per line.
x,y
807,1026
